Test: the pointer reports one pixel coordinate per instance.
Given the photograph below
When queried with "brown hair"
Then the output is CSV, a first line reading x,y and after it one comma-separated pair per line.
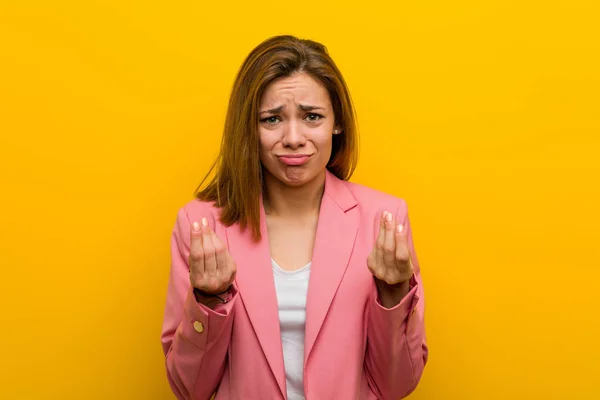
x,y
238,183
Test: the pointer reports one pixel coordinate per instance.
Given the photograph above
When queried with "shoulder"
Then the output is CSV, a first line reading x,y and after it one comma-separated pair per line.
x,y
371,203
372,199
194,210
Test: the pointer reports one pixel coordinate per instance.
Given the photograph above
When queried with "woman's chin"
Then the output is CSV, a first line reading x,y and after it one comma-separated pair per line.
x,y
296,177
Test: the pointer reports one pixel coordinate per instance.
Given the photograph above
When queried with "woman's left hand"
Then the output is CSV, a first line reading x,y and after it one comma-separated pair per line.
x,y
390,262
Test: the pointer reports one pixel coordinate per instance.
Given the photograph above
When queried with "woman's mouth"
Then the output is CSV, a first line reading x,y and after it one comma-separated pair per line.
x,y
294,159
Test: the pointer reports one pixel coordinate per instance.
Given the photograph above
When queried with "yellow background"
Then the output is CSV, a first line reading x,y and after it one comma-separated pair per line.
x,y
483,115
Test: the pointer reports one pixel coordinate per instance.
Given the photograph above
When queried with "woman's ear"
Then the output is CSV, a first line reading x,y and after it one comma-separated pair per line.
x,y
337,130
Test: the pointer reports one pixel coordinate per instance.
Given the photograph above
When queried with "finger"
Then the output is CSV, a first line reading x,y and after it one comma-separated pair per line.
x,y
380,246
379,243
220,251
196,258
389,254
372,262
402,253
232,269
210,262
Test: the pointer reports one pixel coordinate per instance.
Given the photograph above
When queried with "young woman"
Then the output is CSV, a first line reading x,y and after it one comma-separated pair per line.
x,y
287,281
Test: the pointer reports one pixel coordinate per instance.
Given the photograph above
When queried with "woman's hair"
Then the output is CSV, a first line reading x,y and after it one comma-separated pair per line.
x,y
238,182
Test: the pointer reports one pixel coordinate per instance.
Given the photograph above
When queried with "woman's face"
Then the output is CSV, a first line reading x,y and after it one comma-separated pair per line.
x,y
296,127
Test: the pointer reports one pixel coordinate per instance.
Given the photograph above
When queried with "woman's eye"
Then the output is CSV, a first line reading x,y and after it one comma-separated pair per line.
x,y
312,117
270,120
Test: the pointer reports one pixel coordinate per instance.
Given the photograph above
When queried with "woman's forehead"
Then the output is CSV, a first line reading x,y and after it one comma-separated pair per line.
x,y
298,89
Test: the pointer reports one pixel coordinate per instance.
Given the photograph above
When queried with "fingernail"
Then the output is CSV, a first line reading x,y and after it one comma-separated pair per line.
x,y
399,228
388,217
204,222
195,226
384,214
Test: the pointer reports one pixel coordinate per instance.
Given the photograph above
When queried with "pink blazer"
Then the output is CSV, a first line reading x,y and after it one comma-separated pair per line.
x,y
354,347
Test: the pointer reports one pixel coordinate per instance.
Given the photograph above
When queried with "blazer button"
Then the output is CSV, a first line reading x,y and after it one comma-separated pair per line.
x,y
198,326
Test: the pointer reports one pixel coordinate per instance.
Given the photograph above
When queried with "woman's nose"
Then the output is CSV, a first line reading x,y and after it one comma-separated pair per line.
x,y
293,136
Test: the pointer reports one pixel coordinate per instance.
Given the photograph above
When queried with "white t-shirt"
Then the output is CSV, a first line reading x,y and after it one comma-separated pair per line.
x,y
291,288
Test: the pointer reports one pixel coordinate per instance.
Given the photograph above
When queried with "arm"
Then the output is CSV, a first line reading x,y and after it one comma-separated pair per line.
x,y
195,337
396,342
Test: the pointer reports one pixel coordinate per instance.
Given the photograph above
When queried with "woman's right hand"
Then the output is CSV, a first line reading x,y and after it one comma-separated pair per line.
x,y
212,269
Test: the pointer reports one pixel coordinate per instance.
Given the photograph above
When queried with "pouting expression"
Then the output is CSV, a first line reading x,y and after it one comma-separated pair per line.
x,y
296,127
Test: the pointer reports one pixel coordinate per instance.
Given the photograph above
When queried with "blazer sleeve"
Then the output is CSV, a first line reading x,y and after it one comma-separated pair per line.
x,y
195,338
396,343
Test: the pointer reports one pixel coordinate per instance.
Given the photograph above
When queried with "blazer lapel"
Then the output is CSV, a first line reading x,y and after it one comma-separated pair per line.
x,y
257,289
336,232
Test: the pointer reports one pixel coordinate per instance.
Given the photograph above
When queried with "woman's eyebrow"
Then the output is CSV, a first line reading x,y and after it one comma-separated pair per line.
x,y
309,108
276,110
303,107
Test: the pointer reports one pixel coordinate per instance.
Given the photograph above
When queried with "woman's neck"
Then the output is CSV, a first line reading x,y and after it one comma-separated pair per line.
x,y
293,202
